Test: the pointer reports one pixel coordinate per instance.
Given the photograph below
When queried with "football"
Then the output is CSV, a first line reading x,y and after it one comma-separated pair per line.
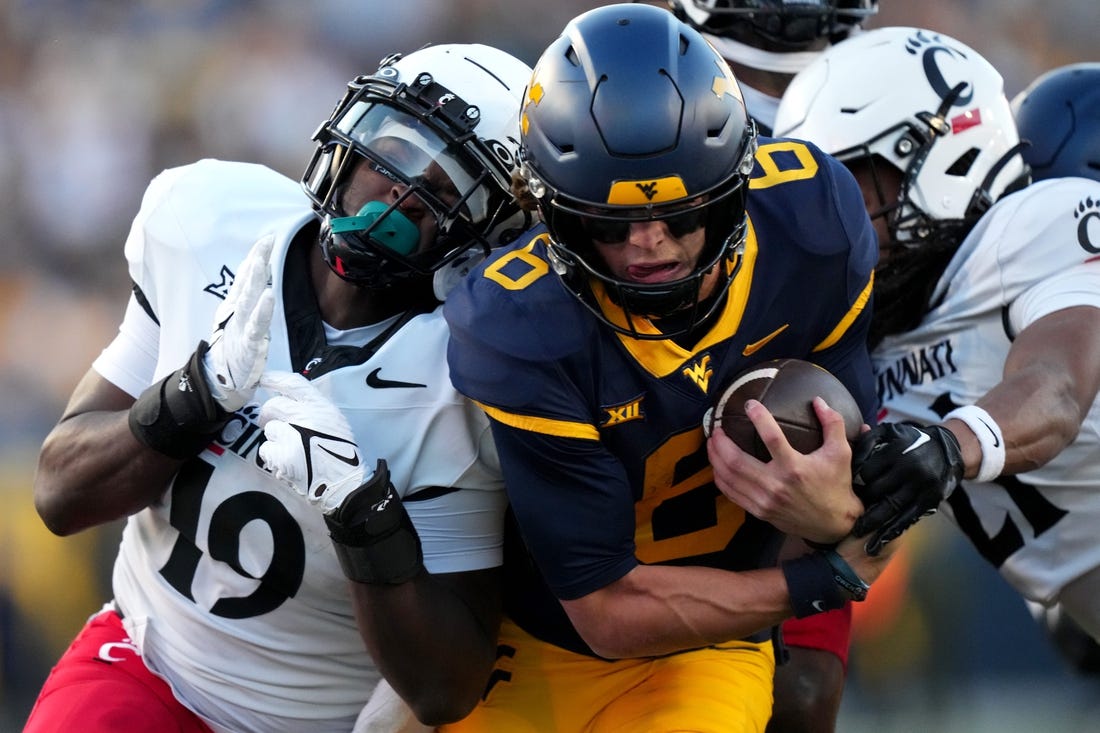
x,y
787,388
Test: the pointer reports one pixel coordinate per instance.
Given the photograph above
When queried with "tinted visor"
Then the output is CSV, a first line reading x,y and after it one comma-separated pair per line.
x,y
615,231
409,151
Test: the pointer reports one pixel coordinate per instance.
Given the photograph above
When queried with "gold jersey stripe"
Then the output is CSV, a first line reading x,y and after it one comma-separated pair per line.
x,y
544,425
850,316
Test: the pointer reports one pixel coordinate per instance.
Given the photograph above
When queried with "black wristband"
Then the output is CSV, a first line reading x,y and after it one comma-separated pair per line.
x,y
846,577
374,538
178,416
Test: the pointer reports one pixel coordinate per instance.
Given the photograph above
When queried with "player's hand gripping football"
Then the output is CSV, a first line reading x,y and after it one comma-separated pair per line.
x,y
242,331
901,472
309,445
808,495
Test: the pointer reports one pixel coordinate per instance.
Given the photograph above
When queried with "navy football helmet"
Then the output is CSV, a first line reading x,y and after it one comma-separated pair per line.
x,y
441,125
632,116
1059,114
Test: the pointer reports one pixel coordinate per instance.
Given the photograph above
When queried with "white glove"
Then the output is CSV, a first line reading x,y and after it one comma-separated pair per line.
x,y
309,445
242,331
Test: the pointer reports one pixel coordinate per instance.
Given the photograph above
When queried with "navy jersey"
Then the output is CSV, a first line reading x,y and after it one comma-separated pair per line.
x,y
600,435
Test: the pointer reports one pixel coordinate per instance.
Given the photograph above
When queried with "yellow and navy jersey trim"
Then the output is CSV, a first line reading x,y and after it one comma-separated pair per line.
x,y
849,318
544,425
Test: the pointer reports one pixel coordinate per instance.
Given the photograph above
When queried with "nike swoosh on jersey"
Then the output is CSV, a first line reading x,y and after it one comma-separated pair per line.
x,y
917,443
755,346
373,380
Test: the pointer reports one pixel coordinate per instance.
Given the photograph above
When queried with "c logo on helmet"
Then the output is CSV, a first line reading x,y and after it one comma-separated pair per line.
x,y
919,43
1087,211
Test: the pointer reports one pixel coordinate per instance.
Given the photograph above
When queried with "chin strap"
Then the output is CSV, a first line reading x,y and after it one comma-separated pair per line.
x,y
983,199
757,58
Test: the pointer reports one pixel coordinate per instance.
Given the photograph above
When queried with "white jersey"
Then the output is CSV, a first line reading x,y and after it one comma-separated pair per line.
x,y
1034,252
229,584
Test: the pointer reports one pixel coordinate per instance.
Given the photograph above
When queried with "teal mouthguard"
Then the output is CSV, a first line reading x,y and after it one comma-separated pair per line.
x,y
395,232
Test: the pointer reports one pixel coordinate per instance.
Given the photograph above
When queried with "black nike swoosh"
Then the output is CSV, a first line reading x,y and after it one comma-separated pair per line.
x,y
373,380
996,441
352,460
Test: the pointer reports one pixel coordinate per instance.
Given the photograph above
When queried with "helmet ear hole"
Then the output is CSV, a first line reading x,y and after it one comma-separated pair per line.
x,y
961,166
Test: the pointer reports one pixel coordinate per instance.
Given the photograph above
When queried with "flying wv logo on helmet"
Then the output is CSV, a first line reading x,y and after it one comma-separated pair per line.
x,y
649,190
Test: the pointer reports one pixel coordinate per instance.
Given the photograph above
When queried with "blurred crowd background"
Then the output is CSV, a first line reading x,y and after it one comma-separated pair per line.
x,y
97,96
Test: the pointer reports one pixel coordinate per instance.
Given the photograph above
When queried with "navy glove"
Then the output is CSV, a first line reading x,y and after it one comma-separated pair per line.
x,y
901,472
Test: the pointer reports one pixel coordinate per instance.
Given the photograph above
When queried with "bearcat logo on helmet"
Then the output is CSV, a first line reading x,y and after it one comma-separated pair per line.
x,y
1087,211
919,43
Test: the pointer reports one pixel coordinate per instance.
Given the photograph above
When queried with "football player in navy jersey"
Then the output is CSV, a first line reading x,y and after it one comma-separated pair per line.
x,y
677,249
302,482
987,318
766,42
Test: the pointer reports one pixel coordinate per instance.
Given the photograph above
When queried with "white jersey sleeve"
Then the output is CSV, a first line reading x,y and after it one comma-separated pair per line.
x,y
1034,252
1078,285
130,360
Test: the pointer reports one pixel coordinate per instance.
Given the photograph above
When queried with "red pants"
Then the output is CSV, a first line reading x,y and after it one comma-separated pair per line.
x,y
830,632
101,685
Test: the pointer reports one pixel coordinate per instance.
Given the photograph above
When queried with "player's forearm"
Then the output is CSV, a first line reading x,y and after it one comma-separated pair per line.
x,y
1036,417
657,609
1050,382
433,647
92,470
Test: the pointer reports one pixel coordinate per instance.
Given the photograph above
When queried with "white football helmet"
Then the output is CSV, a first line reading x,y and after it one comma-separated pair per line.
x,y
923,102
452,108
933,109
